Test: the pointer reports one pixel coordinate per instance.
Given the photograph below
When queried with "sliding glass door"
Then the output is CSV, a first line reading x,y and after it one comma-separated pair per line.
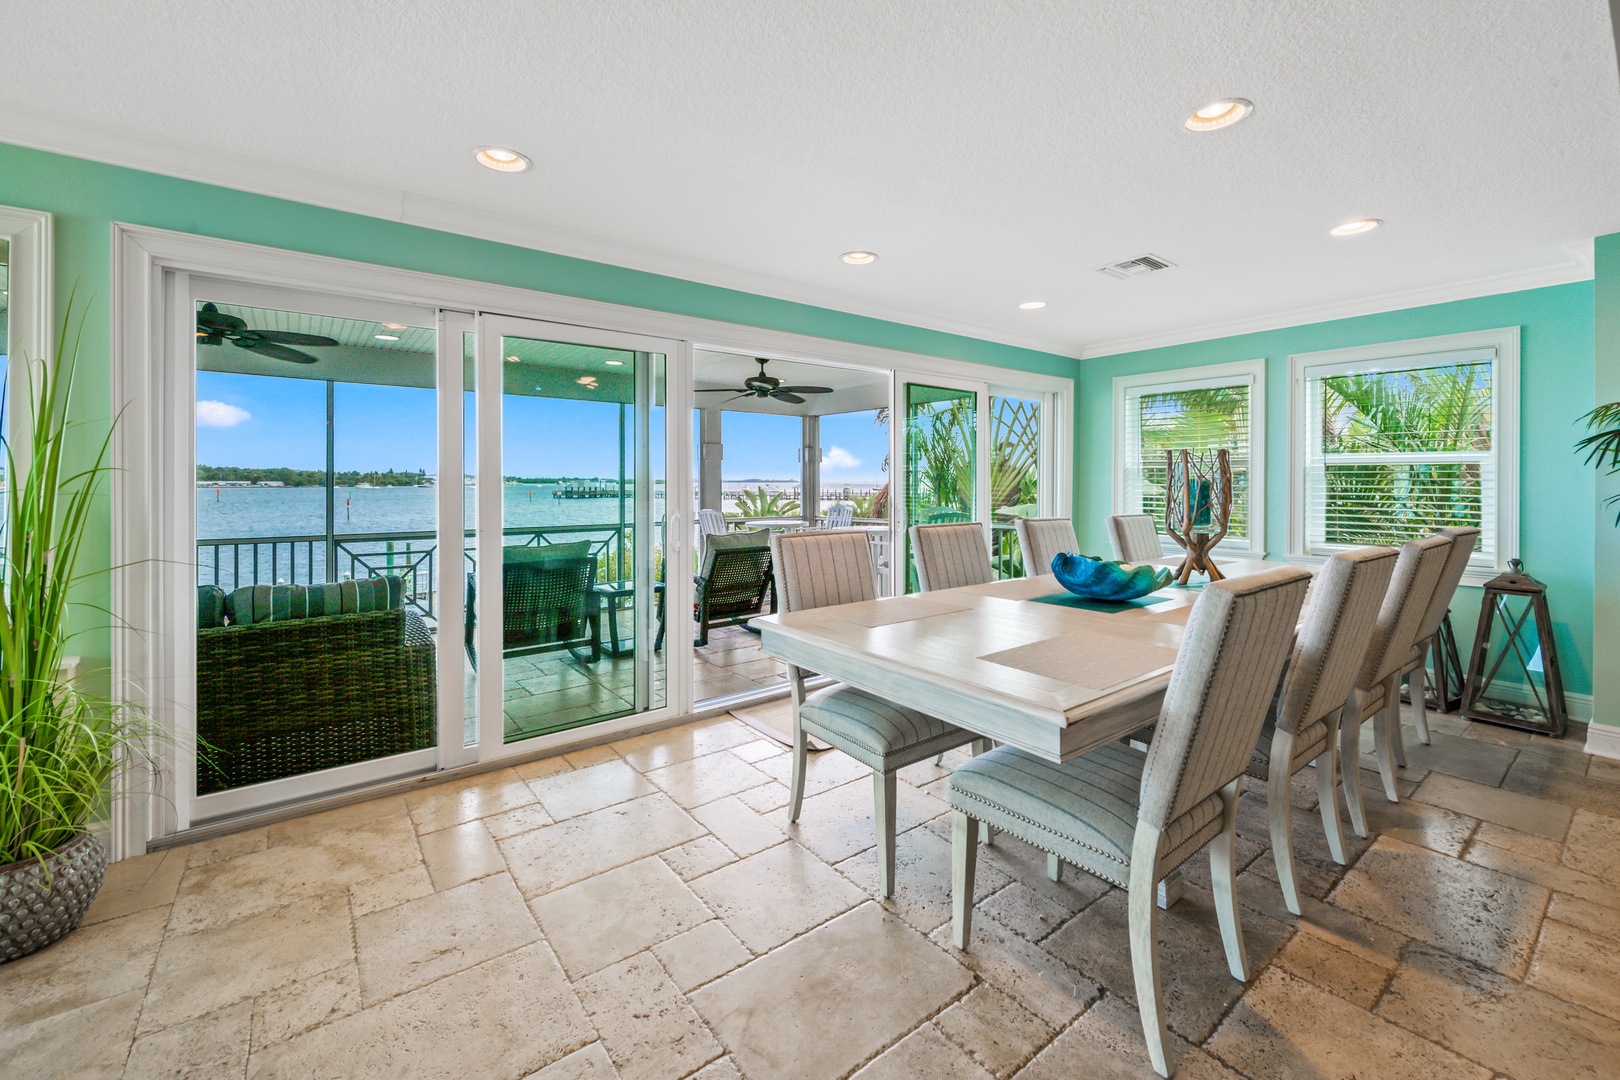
x,y
942,443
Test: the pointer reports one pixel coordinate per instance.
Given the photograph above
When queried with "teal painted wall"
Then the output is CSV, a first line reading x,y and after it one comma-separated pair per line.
x,y
87,197
1605,535
1556,370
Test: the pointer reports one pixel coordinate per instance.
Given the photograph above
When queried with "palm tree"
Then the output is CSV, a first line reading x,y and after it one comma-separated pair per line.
x,y
1603,446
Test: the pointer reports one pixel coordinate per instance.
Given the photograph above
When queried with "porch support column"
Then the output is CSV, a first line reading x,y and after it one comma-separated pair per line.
x,y
810,468
331,485
712,451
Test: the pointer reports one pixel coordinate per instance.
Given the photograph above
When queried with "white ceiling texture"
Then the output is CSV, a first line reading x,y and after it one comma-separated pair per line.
x,y
990,151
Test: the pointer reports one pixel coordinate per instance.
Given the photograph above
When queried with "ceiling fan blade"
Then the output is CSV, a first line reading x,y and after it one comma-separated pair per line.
x,y
277,352
806,389
783,395
211,319
289,337
729,400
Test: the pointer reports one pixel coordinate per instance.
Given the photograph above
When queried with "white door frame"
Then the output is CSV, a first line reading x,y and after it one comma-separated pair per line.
x,y
900,463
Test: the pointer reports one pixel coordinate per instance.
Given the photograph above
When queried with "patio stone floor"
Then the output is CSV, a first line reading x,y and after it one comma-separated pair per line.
x,y
643,910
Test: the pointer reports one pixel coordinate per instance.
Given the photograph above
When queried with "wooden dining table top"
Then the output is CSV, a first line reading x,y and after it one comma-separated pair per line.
x,y
1021,661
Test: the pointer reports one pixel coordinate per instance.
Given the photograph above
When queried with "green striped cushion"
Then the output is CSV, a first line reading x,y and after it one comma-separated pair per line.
x,y
384,593
210,607
253,604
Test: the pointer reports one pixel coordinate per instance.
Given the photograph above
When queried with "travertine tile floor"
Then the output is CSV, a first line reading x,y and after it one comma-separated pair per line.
x,y
645,911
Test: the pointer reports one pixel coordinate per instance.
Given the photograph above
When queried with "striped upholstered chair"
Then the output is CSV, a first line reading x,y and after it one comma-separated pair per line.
x,y
1135,538
949,556
1415,670
1375,693
1304,727
1131,817
816,568
1041,538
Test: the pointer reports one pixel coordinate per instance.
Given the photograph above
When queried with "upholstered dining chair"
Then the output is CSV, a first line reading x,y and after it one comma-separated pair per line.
x,y
1041,538
1304,726
950,555
1375,692
1135,538
1415,670
1131,817
834,566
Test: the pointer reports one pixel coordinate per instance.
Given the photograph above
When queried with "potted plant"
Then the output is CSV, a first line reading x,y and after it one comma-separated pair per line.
x,y
59,745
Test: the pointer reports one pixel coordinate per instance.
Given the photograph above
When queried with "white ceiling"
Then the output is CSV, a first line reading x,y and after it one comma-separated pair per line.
x,y
991,151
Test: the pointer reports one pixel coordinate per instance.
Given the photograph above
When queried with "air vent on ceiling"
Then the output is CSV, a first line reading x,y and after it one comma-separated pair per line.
x,y
1137,267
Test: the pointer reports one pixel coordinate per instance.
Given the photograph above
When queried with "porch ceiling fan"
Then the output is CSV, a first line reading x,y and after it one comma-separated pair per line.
x,y
214,327
768,386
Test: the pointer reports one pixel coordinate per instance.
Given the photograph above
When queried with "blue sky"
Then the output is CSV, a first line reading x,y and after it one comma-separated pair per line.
x,y
258,421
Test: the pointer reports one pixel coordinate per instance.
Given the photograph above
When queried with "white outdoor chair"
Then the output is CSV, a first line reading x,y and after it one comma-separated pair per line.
x,y
1415,670
1041,538
838,516
816,569
950,555
1135,538
1131,818
711,522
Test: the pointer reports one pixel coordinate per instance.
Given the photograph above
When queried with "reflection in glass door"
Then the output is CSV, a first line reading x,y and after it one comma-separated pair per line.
x,y
942,457
1015,458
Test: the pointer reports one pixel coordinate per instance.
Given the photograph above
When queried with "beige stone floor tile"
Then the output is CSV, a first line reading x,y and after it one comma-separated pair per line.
x,y
661,748
1468,759
89,965
592,787
307,1003
1562,779
460,854
701,954
1606,771
1042,983
1497,1022
1413,822
361,815
197,973
1493,804
758,750
87,1043
1577,967
1032,914
715,683
737,826
540,768
1247,851
1026,864
229,846
697,857
1552,875
573,850
1520,843
589,1063
385,892
456,802
1107,1044
1469,910
1593,846
139,884
661,1036
772,897
592,755
765,798
704,779
504,1018
822,772
1286,1028
606,918
813,986
1198,986
523,819
1363,937
207,1047
1350,975
838,822
724,1069
1584,915
412,944
922,879
999,1033
925,1052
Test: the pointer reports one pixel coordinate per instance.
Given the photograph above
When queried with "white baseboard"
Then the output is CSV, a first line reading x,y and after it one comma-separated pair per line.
x,y
1603,741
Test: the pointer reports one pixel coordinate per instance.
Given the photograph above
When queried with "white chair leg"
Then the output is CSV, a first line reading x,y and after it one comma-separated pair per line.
x,y
1280,810
1144,934
1350,764
1054,868
885,791
986,833
1420,694
1327,795
1223,882
1398,742
801,744
1386,729
964,857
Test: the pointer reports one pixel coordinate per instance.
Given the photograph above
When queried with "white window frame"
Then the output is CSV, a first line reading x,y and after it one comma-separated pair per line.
x,y
1393,355
1250,373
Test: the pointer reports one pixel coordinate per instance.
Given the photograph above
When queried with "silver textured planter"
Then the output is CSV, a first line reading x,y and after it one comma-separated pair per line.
x,y
33,913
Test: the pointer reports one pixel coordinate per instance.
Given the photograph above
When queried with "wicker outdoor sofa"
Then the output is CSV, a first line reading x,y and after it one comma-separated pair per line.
x,y
292,679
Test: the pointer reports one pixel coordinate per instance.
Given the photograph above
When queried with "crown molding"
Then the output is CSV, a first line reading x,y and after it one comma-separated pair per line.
x,y
73,137
1577,268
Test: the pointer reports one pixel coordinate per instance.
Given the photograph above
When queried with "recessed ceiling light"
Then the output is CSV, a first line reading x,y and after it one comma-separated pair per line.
x,y
614,363
1032,305
587,381
859,258
386,337
1219,114
1351,228
501,159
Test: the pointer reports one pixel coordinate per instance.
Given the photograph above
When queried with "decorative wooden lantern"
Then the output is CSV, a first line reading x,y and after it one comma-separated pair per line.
x,y
1197,507
1514,623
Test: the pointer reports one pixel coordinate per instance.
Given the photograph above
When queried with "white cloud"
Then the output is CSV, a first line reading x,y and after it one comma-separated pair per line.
x,y
837,458
220,414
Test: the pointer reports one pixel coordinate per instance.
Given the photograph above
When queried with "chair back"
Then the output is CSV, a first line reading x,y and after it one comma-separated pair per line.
x,y
839,516
712,522
1451,575
1345,597
826,566
1232,653
951,555
1417,571
1135,538
1041,538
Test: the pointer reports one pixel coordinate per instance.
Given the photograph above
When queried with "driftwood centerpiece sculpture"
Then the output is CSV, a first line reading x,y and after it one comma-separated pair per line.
x,y
1197,507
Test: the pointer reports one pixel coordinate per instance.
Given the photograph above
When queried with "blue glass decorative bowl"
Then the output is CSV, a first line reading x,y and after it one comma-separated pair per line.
x,y
1104,579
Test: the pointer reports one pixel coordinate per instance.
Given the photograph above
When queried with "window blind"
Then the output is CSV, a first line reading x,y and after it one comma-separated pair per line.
x,y
1196,416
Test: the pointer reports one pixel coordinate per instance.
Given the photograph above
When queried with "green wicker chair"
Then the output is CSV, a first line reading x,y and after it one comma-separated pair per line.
x,y
731,589
546,602
294,679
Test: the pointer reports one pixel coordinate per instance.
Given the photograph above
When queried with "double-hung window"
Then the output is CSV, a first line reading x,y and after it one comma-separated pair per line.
x,y
1394,441
1221,407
